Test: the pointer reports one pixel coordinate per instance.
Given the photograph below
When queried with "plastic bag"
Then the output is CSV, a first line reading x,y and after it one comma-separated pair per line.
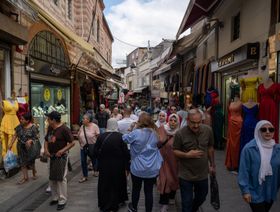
x,y
10,161
214,188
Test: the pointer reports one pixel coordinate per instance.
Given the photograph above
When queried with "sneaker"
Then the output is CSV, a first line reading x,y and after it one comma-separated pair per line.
x,y
48,190
130,208
164,208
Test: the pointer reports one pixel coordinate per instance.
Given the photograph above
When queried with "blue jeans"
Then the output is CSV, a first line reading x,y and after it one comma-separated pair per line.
x,y
193,194
85,165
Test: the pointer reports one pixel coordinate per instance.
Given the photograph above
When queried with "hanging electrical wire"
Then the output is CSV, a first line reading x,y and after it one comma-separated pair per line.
x,y
129,44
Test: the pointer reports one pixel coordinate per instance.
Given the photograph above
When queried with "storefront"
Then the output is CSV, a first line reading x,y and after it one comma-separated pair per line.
x,y
234,69
49,79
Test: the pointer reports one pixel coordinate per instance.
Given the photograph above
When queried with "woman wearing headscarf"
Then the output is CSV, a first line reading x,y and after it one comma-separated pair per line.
x,y
113,157
168,181
259,172
161,119
145,160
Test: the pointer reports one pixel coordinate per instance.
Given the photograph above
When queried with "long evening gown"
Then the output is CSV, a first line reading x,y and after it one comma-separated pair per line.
x,y
249,123
233,139
268,99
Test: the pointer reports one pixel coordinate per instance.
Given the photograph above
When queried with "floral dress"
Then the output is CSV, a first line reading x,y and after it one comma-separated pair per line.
x,y
25,157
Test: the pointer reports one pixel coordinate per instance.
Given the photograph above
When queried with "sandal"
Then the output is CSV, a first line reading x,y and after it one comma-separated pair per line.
x,y
82,180
23,180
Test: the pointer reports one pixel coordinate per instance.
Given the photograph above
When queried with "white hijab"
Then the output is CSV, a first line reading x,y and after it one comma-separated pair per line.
x,y
112,125
158,123
265,148
167,128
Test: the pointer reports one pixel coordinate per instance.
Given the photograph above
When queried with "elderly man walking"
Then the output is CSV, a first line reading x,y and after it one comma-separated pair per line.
x,y
193,146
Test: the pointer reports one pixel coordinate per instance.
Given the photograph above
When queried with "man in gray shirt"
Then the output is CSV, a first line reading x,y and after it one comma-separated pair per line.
x,y
193,146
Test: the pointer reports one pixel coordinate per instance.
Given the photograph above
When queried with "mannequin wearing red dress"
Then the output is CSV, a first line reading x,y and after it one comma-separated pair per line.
x,y
234,131
268,98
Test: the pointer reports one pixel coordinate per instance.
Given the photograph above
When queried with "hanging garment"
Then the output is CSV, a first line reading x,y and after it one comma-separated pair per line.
x,y
249,123
218,122
233,138
8,125
268,99
249,89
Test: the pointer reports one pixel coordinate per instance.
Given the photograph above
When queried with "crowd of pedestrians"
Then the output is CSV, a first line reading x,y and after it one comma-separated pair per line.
x,y
174,152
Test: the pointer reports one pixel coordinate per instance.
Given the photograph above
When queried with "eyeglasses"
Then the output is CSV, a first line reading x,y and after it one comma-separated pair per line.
x,y
269,129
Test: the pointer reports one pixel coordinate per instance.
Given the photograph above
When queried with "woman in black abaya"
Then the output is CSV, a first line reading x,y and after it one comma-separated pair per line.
x,y
113,157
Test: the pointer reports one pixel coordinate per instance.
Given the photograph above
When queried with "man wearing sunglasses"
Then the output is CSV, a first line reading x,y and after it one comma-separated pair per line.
x,y
193,146
259,171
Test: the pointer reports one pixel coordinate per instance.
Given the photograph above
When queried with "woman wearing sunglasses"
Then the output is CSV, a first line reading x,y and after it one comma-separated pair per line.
x,y
259,171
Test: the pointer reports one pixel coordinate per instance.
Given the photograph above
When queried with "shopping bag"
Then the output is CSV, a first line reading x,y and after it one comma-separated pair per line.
x,y
214,189
10,161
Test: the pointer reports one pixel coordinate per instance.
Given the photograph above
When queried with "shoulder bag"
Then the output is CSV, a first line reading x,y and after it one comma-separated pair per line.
x,y
88,148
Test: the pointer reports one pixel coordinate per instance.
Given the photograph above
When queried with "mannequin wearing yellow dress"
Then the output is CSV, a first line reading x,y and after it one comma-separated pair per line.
x,y
249,88
8,124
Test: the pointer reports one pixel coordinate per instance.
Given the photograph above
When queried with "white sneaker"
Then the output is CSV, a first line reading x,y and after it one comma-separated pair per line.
x,y
48,190
164,208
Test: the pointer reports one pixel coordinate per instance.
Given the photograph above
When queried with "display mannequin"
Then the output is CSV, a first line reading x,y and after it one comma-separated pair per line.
x,y
249,84
250,111
268,98
234,130
9,122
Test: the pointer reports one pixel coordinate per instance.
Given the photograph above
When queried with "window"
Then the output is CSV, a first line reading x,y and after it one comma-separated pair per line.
x,y
130,85
98,31
46,47
69,9
235,27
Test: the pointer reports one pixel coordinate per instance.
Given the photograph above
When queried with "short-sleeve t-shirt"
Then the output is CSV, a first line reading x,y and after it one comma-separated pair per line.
x,y
194,169
58,138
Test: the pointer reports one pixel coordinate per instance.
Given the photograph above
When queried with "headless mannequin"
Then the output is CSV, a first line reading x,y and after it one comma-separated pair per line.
x,y
9,122
267,83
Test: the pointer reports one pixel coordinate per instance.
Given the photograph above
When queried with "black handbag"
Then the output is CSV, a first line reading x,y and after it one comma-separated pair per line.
x,y
88,148
214,189
34,150
57,167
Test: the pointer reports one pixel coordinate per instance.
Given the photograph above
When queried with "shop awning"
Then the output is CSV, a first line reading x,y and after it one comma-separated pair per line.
x,y
71,36
186,43
90,74
165,67
197,9
140,89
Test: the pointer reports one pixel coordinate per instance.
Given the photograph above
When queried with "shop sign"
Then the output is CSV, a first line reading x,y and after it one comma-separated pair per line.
x,y
226,60
47,94
249,51
59,94
156,84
